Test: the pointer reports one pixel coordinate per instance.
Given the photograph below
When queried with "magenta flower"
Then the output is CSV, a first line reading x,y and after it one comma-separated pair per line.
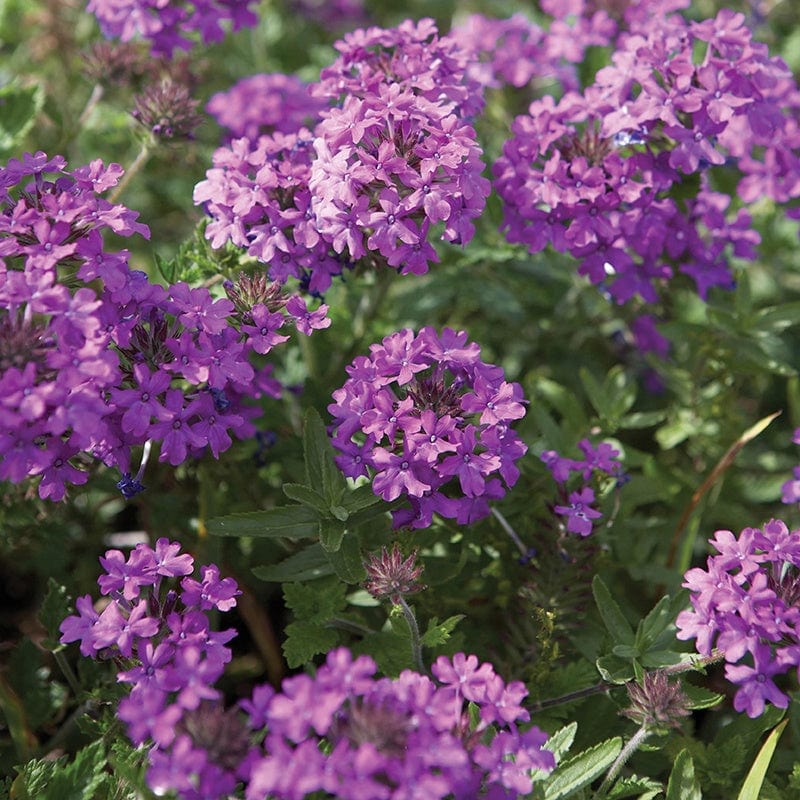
x,y
430,422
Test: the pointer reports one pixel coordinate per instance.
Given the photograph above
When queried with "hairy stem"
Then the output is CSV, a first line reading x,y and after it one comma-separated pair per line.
x,y
416,644
634,743
138,163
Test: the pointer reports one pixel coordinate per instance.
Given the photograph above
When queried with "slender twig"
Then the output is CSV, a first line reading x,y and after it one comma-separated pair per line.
x,y
91,103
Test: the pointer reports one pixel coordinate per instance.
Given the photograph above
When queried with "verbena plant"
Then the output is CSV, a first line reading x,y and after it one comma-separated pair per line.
x,y
397,400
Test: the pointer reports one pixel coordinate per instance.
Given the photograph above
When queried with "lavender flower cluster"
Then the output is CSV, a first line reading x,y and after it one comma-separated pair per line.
x,y
342,732
592,173
170,26
265,104
745,604
393,159
428,420
258,197
396,738
88,376
162,639
598,462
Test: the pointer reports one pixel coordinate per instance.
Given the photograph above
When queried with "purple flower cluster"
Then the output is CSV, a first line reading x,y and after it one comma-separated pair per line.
x,y
86,375
265,104
396,739
592,174
393,159
171,26
258,198
599,462
162,640
745,603
516,51
396,157
428,420
343,732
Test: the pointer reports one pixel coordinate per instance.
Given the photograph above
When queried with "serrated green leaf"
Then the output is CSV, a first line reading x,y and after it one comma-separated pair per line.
x,y
616,623
287,522
78,779
682,783
316,602
347,561
305,495
439,632
308,564
54,609
658,659
322,474
304,640
700,697
625,651
755,777
580,770
634,786
561,741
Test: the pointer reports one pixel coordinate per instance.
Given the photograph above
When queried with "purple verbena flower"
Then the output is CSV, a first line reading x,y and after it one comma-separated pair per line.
x,y
431,422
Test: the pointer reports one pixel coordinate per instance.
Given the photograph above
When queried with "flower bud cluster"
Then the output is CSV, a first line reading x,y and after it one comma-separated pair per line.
x,y
170,26
426,419
593,174
599,462
746,604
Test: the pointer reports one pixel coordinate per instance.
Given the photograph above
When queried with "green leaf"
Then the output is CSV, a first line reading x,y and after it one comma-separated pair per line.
x,y
19,107
700,697
580,770
317,602
308,564
308,497
682,783
614,669
615,622
331,532
654,624
634,786
54,609
304,640
288,522
360,497
347,561
561,741
77,780
755,777
439,632
322,474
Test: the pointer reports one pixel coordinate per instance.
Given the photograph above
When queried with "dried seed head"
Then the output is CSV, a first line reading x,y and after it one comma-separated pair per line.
x,y
167,110
657,701
390,575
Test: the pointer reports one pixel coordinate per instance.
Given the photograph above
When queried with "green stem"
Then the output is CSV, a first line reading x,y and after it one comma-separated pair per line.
x,y
72,680
634,743
416,644
91,103
138,163
597,688
350,627
504,524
